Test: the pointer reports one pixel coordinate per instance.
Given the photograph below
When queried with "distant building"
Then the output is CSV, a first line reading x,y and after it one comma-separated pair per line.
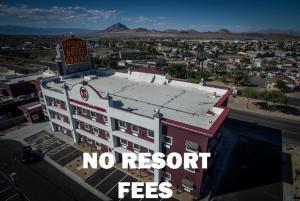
x,y
32,111
131,54
271,83
15,86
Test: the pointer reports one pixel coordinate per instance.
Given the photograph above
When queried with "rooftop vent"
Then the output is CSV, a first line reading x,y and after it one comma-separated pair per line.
x,y
84,82
90,77
210,113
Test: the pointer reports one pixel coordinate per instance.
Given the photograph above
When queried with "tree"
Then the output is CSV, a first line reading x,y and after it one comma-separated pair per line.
x,y
176,70
203,74
281,85
249,93
239,77
274,97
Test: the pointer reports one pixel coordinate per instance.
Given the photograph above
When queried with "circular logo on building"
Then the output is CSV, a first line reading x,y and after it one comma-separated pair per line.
x,y
84,93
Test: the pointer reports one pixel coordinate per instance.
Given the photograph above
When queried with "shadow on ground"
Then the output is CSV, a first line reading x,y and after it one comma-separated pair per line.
x,y
255,165
279,108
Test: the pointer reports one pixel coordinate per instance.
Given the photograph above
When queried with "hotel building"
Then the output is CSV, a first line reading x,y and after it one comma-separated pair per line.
x,y
136,112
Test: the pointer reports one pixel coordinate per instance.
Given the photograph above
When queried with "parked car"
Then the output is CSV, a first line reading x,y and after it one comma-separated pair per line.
x,y
31,156
24,97
5,98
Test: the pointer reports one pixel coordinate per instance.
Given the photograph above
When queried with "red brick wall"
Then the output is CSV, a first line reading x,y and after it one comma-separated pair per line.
x,y
142,132
178,145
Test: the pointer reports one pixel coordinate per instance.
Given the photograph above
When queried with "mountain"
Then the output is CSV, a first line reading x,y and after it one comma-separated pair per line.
x,y
140,29
116,28
280,31
224,31
22,30
121,31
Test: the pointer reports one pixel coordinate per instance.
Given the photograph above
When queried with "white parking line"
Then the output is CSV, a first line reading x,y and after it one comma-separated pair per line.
x,y
66,155
36,139
7,188
58,149
11,197
116,185
105,178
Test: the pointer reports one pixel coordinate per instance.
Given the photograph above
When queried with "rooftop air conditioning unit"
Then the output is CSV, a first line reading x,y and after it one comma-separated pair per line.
x,y
90,77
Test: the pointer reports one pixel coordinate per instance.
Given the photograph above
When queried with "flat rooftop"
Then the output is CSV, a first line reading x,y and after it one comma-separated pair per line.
x,y
141,93
21,78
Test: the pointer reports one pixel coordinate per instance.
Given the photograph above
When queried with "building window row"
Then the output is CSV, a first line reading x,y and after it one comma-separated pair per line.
x,y
93,130
136,148
135,130
55,102
59,116
91,114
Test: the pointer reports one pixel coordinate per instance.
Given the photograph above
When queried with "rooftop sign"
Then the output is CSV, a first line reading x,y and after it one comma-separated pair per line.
x,y
75,51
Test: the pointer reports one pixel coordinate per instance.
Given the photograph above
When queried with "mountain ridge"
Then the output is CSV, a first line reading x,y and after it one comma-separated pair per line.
x,y
121,30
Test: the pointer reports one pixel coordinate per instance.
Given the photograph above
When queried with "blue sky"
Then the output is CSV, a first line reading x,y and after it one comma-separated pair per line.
x,y
201,15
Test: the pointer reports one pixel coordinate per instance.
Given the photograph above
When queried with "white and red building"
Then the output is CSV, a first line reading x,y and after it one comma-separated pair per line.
x,y
138,112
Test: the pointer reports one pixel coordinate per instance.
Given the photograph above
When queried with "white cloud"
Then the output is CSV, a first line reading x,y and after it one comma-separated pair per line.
x,y
58,13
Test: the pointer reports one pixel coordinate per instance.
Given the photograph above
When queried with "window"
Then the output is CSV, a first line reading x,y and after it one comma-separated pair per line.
x,y
61,117
57,102
93,114
96,131
64,130
105,119
124,142
135,129
187,185
98,145
166,176
86,126
167,141
191,146
136,147
122,124
77,124
107,135
73,108
52,101
150,134
190,169
136,163
150,151
90,141
84,111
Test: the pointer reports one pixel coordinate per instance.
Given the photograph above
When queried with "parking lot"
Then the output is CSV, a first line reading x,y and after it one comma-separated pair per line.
x,y
7,192
104,180
56,149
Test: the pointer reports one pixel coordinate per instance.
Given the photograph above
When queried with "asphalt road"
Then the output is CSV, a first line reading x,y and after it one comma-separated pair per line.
x,y
41,181
289,128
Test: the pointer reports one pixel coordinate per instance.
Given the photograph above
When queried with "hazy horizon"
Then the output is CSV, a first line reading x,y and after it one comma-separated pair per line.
x,y
236,16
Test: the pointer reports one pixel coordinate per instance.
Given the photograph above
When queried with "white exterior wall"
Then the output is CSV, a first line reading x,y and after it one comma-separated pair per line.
x,y
113,114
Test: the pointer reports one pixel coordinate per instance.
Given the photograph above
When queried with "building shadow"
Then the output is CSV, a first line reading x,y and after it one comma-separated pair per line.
x,y
254,167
